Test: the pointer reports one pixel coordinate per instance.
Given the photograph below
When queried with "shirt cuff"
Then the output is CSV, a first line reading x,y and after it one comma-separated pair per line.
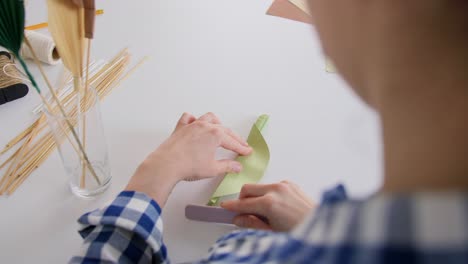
x,y
335,195
132,211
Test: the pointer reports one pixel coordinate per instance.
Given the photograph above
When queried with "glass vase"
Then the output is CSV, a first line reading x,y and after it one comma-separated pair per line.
x,y
76,124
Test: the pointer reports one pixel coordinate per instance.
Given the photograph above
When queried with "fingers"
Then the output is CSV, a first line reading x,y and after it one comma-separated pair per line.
x,y
232,144
255,206
253,190
221,167
185,119
188,118
236,137
213,119
250,221
210,118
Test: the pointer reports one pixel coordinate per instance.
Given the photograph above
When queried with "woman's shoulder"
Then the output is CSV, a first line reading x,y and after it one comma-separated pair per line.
x,y
417,224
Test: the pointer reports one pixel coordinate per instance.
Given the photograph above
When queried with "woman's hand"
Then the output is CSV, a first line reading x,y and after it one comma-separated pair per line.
x,y
188,154
278,207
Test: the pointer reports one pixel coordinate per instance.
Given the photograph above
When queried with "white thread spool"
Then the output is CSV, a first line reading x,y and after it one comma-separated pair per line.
x,y
43,46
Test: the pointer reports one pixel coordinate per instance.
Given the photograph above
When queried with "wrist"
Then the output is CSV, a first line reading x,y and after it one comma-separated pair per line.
x,y
153,181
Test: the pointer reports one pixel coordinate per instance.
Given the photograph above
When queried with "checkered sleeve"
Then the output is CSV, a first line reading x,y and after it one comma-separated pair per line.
x,y
257,246
129,230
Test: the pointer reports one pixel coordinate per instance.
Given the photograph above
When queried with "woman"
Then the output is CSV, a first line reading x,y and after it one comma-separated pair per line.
x,y
408,59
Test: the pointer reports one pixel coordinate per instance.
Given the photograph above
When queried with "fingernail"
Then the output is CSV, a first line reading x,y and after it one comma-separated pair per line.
x,y
245,143
236,167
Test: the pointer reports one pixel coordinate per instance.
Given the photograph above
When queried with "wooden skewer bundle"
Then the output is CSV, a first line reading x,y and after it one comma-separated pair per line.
x,y
69,26
36,143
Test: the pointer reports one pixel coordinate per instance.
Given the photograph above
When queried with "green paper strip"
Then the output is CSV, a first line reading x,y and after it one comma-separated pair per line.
x,y
254,165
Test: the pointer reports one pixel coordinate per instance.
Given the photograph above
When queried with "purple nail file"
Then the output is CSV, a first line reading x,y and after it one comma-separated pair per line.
x,y
211,214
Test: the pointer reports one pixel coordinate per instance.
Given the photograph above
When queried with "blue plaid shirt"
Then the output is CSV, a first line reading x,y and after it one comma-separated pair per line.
x,y
413,228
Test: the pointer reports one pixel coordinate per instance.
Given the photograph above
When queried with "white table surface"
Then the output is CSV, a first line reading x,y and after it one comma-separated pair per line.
x,y
227,57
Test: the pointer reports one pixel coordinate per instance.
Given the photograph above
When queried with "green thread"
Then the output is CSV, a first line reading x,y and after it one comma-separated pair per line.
x,y
28,73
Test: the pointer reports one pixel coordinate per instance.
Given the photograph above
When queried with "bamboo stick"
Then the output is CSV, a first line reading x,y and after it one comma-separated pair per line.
x,y
34,166
117,59
107,78
85,156
88,59
38,147
18,138
9,159
23,150
28,166
14,164
48,145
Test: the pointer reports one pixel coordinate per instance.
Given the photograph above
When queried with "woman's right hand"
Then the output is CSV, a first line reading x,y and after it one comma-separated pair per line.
x,y
278,207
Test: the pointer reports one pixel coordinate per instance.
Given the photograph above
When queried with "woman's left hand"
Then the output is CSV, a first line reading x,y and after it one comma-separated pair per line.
x,y
188,154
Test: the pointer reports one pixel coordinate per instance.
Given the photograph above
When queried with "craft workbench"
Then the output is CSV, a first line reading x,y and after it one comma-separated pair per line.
x,y
227,57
